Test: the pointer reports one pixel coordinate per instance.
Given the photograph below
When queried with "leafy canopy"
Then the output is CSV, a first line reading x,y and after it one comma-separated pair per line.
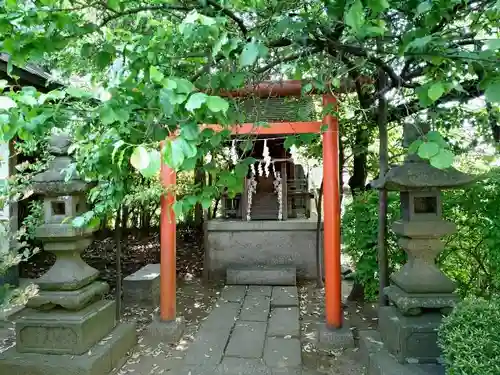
x,y
154,68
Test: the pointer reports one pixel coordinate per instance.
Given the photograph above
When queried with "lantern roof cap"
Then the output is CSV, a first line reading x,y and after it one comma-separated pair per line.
x,y
421,175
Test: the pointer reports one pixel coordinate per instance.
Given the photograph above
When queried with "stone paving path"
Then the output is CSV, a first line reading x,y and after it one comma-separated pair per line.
x,y
251,330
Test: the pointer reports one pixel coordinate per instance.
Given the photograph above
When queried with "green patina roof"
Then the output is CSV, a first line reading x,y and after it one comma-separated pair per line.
x,y
276,109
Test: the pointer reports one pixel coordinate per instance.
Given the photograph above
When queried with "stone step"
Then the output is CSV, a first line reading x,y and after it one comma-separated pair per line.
x,y
262,276
143,286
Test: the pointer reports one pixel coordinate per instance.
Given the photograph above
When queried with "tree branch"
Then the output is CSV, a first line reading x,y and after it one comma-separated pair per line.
x,y
404,110
288,58
117,15
230,14
397,81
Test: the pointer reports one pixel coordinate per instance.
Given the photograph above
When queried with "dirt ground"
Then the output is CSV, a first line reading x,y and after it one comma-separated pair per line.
x,y
195,299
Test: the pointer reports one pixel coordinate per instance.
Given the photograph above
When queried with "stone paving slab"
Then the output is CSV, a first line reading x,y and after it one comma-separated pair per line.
x,y
287,371
223,316
262,276
284,296
195,370
208,347
240,366
234,293
264,290
247,340
284,321
280,352
255,308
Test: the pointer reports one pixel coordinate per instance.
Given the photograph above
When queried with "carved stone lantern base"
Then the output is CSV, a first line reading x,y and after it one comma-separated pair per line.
x,y
100,359
410,339
416,304
69,327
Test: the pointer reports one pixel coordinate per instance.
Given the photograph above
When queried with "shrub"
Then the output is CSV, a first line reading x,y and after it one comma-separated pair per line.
x,y
471,255
359,234
469,338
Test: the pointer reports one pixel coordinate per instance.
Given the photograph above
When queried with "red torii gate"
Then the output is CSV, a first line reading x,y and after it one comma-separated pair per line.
x,y
331,199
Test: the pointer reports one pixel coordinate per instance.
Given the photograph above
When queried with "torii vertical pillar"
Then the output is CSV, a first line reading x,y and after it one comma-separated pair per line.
x,y
167,326
335,333
167,246
331,220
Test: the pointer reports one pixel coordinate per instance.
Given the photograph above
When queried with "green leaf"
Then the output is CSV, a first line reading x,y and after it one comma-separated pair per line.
x,y
374,31
436,137
418,43
424,7
189,164
414,146
103,59
241,170
154,164
183,86
3,84
78,222
139,158
428,149
155,75
355,17
443,159
78,93
435,91
492,44
492,92
28,100
216,139
108,115
236,79
249,54
114,4
94,223
166,103
219,44
188,148
7,103
177,208
190,131
290,141
217,104
378,6
206,203
177,155
169,84
117,146
191,200
307,88
195,101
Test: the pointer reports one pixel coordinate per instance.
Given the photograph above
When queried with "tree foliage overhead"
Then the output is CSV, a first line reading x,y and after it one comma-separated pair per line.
x,y
162,66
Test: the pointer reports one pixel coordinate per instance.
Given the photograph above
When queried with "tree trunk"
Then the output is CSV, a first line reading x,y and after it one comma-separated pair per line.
x,y
118,242
319,252
216,207
383,262
357,181
199,180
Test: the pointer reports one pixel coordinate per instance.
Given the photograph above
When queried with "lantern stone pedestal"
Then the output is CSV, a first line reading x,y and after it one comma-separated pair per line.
x,y
419,294
68,328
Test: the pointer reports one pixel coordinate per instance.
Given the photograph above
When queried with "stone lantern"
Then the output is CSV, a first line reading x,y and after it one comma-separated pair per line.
x,y
68,327
419,294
